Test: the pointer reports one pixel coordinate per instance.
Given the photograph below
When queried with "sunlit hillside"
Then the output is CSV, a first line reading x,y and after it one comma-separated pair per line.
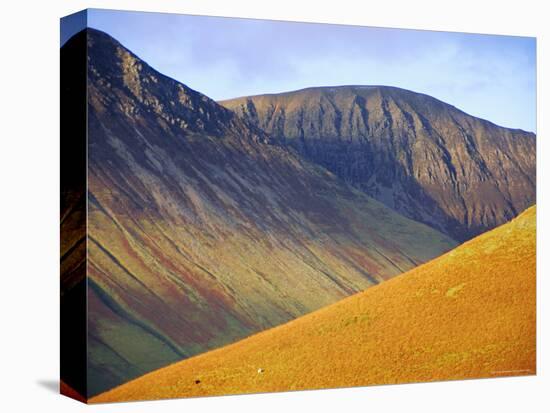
x,y
469,313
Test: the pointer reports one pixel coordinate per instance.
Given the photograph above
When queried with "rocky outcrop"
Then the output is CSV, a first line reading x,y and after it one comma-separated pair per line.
x,y
422,157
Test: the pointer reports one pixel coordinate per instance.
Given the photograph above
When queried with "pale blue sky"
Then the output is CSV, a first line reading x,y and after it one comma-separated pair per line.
x,y
493,77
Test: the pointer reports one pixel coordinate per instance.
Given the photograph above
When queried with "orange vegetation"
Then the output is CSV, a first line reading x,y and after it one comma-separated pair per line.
x,y
469,313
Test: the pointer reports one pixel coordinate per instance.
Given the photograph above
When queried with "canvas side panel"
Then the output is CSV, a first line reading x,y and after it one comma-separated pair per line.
x,y
73,208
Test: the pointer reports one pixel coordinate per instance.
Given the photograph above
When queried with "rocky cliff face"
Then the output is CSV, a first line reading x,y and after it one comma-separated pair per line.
x,y
421,157
200,232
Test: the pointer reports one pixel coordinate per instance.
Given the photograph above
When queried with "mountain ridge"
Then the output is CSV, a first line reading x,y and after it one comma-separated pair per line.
x,y
418,155
369,86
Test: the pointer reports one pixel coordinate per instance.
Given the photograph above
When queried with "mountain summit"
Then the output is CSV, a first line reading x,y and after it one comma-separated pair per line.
x,y
421,157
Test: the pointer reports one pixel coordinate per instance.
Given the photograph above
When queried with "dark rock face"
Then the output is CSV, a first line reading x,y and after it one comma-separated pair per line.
x,y
201,232
424,158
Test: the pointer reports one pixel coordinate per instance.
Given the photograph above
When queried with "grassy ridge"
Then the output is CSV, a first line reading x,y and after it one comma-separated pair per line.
x,y
469,313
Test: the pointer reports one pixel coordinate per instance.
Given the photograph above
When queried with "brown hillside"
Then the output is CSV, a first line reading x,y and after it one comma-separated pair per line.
x,y
469,313
420,156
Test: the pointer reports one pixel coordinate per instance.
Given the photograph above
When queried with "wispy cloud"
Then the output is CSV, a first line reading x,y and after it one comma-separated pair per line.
x,y
492,77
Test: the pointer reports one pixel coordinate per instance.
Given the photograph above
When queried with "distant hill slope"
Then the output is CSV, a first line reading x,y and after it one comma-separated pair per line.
x,y
422,157
469,313
201,233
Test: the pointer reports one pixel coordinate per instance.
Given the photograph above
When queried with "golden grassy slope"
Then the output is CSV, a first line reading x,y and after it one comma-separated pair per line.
x,y
469,313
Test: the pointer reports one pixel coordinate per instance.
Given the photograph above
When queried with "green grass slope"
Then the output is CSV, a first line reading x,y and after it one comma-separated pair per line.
x,y
467,314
